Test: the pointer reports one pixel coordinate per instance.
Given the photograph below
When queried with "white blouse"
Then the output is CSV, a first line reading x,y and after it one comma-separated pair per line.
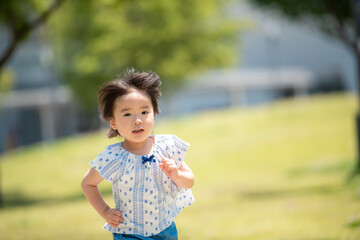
x,y
148,199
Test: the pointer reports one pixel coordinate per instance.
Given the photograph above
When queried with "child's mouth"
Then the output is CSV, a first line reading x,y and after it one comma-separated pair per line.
x,y
138,131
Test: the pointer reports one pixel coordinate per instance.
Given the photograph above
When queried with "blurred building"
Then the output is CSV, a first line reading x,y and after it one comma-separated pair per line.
x,y
242,87
274,42
276,59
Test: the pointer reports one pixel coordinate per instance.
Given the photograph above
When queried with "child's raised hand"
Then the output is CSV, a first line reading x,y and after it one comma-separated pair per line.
x,y
169,168
113,217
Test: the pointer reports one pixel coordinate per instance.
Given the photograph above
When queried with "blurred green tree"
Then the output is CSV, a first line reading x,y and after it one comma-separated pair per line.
x,y
340,19
19,18
96,39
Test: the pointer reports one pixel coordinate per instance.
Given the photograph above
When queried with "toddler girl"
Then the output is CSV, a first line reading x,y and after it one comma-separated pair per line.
x,y
150,180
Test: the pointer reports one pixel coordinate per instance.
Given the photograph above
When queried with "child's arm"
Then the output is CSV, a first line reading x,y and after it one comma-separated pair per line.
x,y
183,177
89,186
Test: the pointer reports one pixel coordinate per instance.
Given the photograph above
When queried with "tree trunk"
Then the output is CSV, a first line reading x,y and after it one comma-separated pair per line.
x,y
5,57
357,166
1,196
356,12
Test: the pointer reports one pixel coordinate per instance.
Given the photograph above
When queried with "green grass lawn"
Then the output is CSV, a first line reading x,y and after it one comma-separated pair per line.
x,y
273,172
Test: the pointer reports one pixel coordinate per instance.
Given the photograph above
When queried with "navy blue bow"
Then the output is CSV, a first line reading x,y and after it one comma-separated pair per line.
x,y
148,159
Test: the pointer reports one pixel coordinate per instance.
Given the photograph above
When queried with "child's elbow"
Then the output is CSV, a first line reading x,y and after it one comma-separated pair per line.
x,y
87,180
83,184
190,183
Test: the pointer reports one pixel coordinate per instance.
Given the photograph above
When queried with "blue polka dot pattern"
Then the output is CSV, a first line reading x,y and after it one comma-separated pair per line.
x,y
147,198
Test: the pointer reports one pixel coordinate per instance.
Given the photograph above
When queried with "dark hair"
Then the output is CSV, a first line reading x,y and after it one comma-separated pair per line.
x,y
144,81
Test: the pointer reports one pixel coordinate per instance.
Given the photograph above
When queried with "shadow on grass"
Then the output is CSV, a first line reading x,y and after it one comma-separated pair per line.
x,y
321,168
292,192
350,170
17,199
344,168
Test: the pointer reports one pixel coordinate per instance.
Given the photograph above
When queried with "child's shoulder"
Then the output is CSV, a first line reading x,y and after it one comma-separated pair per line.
x,y
112,149
114,146
169,140
165,138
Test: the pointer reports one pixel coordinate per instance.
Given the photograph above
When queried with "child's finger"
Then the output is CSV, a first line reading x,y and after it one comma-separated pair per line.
x,y
117,212
163,168
114,224
170,164
169,161
164,162
118,215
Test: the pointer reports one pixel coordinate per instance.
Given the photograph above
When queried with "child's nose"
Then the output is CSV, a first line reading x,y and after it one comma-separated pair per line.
x,y
137,120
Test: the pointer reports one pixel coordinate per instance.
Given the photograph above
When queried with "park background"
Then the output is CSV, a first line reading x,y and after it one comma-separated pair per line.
x,y
264,92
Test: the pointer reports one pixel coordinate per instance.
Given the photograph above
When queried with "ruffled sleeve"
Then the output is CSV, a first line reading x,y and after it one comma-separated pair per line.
x,y
108,163
180,150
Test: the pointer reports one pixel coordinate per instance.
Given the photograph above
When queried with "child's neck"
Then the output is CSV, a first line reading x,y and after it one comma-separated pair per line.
x,y
141,148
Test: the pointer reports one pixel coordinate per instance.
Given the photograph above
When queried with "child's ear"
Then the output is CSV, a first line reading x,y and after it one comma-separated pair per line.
x,y
112,123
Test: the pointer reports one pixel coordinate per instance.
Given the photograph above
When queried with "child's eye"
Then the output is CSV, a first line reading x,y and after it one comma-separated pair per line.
x,y
127,115
145,112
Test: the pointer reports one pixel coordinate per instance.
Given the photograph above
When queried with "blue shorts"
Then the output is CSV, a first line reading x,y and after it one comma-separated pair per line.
x,y
169,233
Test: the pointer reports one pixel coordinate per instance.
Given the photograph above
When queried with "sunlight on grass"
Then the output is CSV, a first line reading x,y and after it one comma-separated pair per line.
x,y
271,172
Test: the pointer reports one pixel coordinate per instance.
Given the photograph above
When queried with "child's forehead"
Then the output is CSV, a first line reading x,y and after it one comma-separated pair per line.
x,y
133,97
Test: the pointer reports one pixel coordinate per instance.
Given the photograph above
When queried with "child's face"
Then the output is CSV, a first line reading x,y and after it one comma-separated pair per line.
x,y
133,116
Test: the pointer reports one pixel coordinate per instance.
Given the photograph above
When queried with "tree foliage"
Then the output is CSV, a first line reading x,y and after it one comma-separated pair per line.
x,y
19,19
96,39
